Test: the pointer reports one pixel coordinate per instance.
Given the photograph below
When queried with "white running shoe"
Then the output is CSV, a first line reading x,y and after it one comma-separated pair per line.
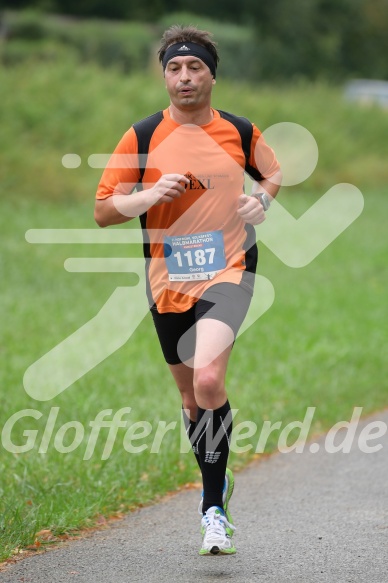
x,y
216,540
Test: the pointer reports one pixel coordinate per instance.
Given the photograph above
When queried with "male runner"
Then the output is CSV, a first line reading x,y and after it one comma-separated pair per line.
x,y
199,246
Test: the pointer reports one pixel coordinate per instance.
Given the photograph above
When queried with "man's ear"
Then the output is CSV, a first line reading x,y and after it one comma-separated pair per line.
x,y
214,81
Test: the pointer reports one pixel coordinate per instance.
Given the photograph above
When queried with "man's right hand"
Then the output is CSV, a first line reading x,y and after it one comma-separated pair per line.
x,y
168,188
120,208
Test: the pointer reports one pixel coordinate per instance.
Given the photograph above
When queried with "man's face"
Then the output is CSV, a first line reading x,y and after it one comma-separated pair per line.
x,y
189,82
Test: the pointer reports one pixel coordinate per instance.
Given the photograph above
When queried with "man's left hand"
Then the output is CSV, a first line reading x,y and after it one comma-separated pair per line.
x,y
250,209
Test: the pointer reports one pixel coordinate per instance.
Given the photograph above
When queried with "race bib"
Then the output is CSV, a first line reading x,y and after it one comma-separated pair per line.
x,y
194,257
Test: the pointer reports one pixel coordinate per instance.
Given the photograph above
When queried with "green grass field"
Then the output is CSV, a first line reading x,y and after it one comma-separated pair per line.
x,y
322,344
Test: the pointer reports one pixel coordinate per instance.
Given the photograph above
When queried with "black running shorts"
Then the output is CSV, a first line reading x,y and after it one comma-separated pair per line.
x,y
227,302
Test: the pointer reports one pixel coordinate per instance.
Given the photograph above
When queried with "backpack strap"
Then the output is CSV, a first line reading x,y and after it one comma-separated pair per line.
x,y
245,129
144,130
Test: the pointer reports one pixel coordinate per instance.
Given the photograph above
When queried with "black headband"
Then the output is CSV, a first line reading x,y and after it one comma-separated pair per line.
x,y
187,49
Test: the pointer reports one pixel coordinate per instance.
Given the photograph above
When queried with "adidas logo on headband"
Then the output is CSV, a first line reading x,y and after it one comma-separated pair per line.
x,y
184,48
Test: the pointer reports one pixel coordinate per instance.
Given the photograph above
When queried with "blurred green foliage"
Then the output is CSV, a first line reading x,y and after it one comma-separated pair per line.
x,y
127,45
52,108
277,40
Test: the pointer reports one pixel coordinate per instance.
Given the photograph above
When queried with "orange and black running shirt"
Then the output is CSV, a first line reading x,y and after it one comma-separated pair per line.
x,y
197,240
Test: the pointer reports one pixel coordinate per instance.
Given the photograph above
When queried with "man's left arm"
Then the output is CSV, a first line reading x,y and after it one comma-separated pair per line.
x,y
252,208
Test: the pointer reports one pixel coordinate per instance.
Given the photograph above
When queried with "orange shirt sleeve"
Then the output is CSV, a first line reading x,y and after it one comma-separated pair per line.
x,y
122,173
262,156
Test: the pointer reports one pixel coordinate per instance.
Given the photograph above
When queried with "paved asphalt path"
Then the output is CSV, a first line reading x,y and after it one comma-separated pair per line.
x,y
310,517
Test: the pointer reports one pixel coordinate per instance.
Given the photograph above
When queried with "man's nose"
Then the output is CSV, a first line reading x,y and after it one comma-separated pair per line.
x,y
185,74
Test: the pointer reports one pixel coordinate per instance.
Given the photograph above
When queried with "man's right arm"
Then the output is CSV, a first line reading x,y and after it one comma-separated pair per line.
x,y
116,202
120,208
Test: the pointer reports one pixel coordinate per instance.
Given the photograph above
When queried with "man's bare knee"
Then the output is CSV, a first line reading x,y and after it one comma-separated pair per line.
x,y
209,388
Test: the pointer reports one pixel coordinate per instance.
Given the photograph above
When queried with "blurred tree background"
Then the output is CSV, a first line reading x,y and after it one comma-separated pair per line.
x,y
274,40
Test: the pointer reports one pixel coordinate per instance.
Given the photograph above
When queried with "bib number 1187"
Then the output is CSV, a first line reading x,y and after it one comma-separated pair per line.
x,y
198,257
193,257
